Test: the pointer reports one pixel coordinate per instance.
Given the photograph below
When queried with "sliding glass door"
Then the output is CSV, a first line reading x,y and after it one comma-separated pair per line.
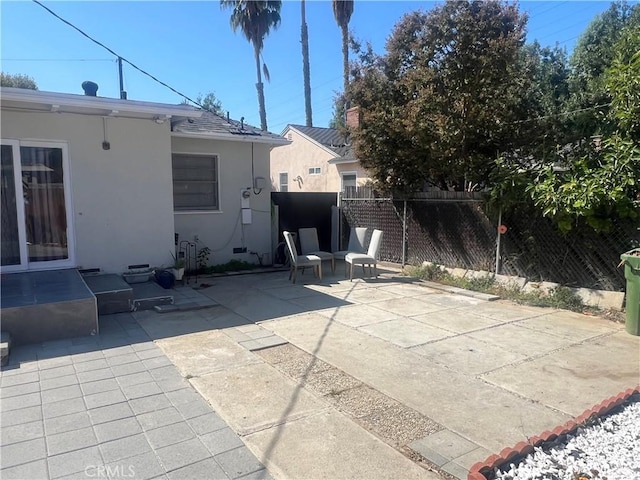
x,y
35,206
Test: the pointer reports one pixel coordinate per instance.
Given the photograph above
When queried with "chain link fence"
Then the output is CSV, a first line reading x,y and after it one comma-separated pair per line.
x,y
456,230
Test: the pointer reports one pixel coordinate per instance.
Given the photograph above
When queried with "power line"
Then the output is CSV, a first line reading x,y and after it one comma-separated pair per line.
x,y
120,56
562,114
58,60
547,10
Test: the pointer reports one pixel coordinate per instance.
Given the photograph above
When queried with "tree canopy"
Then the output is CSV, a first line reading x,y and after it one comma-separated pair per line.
x,y
255,19
210,102
442,102
17,80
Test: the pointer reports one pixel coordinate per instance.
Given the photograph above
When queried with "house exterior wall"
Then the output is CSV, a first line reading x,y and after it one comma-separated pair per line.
x,y
299,156
222,230
121,200
352,167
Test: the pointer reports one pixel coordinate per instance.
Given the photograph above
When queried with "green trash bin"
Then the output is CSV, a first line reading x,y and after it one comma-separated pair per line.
x,y
631,260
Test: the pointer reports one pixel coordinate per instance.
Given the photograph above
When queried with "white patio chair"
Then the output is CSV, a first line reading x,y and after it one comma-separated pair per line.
x,y
357,238
300,261
369,258
309,246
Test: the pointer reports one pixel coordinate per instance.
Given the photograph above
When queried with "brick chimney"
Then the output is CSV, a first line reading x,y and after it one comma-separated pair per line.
x,y
353,117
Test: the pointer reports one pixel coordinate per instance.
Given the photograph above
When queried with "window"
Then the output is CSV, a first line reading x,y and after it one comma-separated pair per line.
x,y
349,181
284,182
315,171
195,182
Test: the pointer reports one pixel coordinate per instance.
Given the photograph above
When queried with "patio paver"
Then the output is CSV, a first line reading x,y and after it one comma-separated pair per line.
x,y
110,403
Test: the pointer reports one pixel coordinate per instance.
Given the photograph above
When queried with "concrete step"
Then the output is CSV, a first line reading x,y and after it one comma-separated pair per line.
x,y
112,293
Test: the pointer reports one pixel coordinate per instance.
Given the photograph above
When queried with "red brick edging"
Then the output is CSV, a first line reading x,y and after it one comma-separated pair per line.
x,y
484,470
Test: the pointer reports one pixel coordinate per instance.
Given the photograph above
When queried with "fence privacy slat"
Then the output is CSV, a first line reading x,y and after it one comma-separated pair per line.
x,y
454,229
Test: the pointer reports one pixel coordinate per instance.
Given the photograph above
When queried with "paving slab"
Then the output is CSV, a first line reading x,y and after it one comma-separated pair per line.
x,y
408,306
37,469
21,432
578,377
334,447
205,352
518,339
258,306
468,355
357,315
456,320
111,412
408,289
570,325
452,301
486,414
368,295
254,397
505,311
405,332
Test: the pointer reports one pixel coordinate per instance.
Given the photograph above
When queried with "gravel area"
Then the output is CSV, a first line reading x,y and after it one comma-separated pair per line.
x,y
609,449
388,419
399,425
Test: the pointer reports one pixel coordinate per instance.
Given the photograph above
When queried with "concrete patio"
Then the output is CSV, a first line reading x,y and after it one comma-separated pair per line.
x,y
470,375
375,378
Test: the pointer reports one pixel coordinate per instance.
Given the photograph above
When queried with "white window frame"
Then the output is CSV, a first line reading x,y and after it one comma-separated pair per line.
x,y
188,210
315,170
280,184
342,174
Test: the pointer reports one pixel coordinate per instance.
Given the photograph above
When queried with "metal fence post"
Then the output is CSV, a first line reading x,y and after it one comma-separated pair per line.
x,y
404,234
497,271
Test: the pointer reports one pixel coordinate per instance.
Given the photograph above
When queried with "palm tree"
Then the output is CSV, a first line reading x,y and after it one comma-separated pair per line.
x,y
255,18
342,10
304,39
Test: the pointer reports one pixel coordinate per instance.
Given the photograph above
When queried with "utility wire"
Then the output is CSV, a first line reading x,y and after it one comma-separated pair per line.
x,y
120,56
58,60
561,114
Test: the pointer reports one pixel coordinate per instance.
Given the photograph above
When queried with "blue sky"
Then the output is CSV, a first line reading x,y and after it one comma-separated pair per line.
x,y
190,46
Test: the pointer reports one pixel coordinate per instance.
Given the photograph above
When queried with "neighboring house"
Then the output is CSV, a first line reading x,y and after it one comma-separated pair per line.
x,y
93,182
317,160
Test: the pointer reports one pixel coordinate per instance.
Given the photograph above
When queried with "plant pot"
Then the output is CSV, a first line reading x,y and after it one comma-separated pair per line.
x,y
165,279
178,273
140,276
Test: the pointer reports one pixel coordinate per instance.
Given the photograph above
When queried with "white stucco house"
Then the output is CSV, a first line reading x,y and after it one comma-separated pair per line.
x,y
92,182
317,160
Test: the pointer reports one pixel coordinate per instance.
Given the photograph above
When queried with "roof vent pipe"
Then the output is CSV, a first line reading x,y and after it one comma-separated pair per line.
x,y
90,88
241,123
227,116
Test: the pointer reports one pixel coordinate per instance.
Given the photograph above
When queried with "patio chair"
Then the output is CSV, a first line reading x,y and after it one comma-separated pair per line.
x,y
309,246
357,238
300,261
369,258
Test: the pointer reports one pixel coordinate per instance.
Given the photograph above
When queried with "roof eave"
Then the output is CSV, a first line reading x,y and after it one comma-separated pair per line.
x,y
340,160
73,103
230,137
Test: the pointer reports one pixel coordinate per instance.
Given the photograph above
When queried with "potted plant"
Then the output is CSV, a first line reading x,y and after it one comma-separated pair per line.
x,y
178,266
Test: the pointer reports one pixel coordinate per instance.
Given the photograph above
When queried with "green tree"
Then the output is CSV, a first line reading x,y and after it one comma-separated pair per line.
x,y
545,101
17,80
342,11
337,119
211,103
304,40
444,100
593,54
255,18
601,181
